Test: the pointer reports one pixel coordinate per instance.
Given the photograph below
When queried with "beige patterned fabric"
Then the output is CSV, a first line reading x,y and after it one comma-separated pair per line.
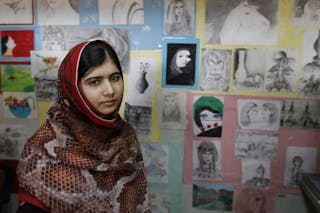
x,y
72,165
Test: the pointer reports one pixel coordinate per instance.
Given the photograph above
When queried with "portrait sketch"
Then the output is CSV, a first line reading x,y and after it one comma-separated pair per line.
x,y
143,77
256,145
255,173
54,12
171,109
206,196
249,69
241,22
206,160
16,12
299,160
121,11
215,70
139,115
300,114
281,70
181,64
179,17
259,114
310,75
207,116
305,13
12,139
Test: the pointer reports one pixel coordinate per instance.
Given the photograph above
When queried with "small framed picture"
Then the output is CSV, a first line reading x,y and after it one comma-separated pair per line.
x,y
180,63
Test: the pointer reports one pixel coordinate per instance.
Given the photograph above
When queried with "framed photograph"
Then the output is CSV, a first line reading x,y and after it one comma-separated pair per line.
x,y
180,63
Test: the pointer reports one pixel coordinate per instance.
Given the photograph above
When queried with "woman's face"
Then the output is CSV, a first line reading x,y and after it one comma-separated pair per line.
x,y
103,88
179,7
183,58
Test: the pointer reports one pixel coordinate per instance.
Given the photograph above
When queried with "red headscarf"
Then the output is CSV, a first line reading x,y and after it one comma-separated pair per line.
x,y
68,87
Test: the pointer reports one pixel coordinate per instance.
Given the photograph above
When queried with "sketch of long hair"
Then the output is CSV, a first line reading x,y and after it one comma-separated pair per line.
x,y
178,24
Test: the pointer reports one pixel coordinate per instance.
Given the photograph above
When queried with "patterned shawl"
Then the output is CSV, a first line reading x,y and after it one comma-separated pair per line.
x,y
72,164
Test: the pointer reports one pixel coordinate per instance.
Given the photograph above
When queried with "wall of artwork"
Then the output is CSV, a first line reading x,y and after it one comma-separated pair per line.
x,y
224,95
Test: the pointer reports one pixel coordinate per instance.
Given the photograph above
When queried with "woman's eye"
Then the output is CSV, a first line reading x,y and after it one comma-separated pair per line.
x,y
94,82
115,78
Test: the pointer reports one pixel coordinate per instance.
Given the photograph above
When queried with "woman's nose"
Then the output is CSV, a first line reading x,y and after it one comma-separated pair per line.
x,y
108,88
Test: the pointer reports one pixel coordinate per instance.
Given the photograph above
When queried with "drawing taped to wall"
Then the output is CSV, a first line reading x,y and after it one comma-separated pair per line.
x,y
19,105
300,114
241,22
54,12
208,196
139,115
16,78
121,11
53,38
256,145
156,158
248,69
259,114
12,139
206,160
16,12
215,70
281,70
310,75
16,43
179,17
45,66
160,200
171,109
305,13
207,116
299,160
143,77
255,173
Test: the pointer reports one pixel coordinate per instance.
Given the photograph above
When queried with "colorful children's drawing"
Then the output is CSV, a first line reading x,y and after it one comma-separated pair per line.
x,y
19,105
17,78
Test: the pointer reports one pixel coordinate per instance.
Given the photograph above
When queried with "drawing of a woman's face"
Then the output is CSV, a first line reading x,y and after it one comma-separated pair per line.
x,y
170,104
209,119
11,43
179,8
259,114
183,58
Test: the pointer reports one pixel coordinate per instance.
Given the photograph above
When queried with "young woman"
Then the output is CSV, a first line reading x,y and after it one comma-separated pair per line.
x,y
7,46
85,158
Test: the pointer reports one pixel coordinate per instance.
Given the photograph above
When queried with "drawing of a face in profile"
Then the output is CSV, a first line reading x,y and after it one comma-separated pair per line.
x,y
207,154
180,65
207,116
7,46
250,201
171,110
